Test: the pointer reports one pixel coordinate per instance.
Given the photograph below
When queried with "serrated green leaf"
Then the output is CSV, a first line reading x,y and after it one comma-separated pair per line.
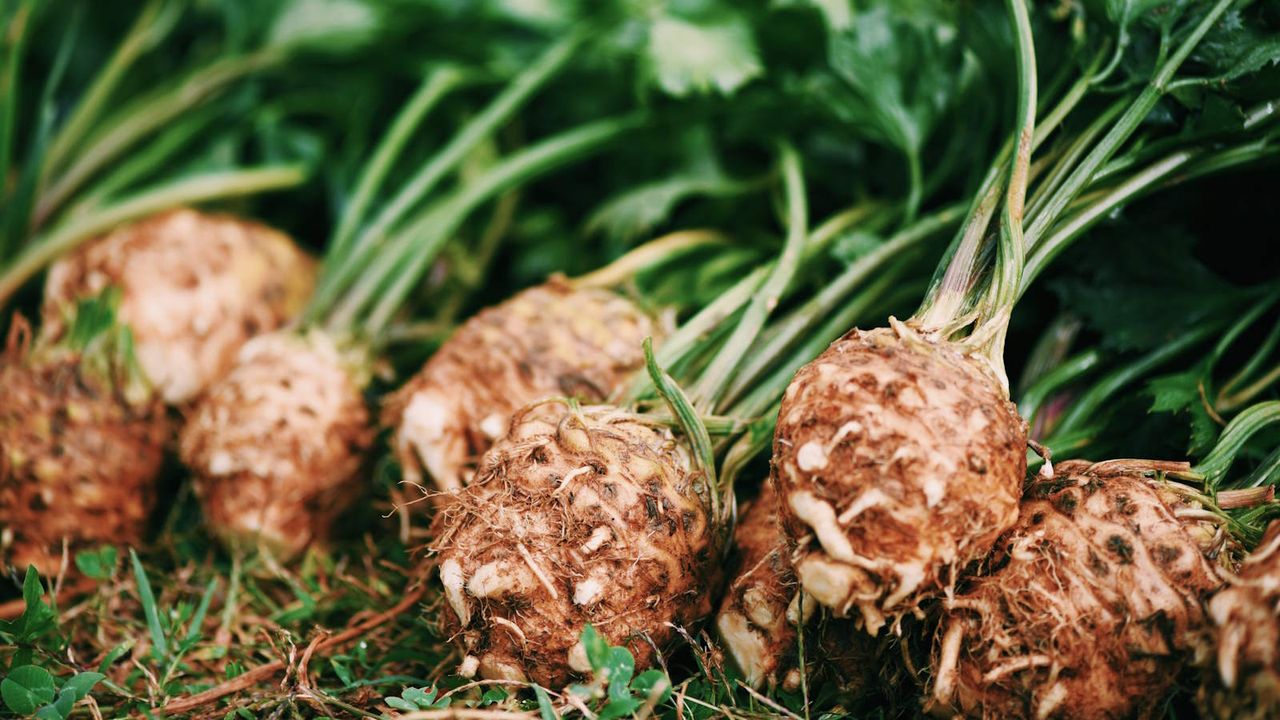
x,y
700,57
26,688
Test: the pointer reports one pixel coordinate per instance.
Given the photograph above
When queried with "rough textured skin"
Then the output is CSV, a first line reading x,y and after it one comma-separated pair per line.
x,y
760,610
276,445
550,340
1244,681
899,460
576,516
194,288
763,607
1088,608
77,461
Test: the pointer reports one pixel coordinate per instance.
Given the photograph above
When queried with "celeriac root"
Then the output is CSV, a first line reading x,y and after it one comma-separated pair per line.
x,y
276,445
1088,608
78,459
577,516
1243,677
899,460
550,340
194,287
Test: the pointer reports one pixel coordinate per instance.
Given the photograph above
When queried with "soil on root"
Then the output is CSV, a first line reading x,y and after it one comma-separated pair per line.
x,y
194,288
276,446
1242,677
580,515
550,340
899,460
77,462
1087,608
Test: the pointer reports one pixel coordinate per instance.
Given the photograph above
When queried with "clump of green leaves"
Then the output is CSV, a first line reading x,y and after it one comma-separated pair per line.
x,y
28,689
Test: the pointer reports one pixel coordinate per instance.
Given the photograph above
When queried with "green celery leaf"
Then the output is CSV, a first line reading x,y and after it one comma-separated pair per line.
x,y
714,54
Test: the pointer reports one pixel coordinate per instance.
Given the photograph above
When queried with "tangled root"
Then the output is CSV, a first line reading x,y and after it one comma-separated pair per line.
x,y
550,340
276,445
1088,607
194,287
762,608
1244,629
900,460
577,516
78,462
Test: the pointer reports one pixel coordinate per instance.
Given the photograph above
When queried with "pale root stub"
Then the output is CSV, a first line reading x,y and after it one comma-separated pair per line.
x,y
762,606
764,609
549,340
1241,677
276,446
194,287
899,460
1088,608
578,516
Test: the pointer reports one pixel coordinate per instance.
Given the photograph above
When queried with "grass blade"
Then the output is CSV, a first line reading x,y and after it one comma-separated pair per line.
x,y
159,644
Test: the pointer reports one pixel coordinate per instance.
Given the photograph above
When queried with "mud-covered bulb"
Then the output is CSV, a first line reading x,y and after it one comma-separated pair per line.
x,y
549,340
276,446
578,516
79,458
899,459
194,287
1241,674
1088,608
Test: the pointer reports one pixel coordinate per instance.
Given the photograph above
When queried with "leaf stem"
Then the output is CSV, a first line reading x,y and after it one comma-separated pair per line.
x,y
433,89
706,391
201,188
398,269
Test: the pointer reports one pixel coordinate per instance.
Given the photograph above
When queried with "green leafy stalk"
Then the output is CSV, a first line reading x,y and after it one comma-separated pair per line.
x,y
201,188
384,285
1239,431
1119,133
648,256
434,88
351,254
143,117
707,389
694,429
1011,250
155,22
17,22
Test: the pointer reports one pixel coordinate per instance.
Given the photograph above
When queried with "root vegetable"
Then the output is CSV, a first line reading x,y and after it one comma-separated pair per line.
x,y
81,445
1088,608
764,608
899,460
194,287
579,515
1244,627
550,340
275,445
